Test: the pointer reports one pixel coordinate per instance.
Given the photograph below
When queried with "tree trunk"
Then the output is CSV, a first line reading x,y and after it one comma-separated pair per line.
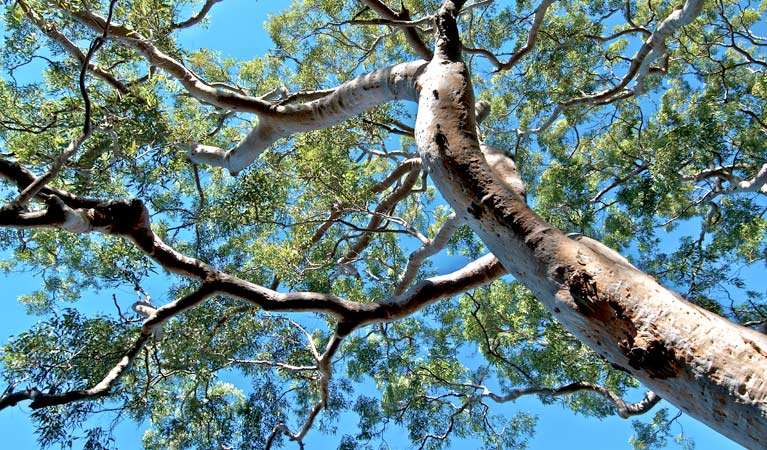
x,y
707,366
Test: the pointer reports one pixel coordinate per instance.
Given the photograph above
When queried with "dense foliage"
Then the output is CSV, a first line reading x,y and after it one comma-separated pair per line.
x,y
668,168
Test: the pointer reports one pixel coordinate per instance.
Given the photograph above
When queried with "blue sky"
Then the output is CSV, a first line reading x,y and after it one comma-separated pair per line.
x,y
235,30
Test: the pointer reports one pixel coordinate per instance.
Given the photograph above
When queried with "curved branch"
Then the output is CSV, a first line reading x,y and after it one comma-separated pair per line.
x,y
756,184
195,85
31,190
532,36
725,173
624,409
411,35
197,18
52,32
618,34
427,250
130,219
386,204
618,181
102,389
652,49
349,99
324,364
404,167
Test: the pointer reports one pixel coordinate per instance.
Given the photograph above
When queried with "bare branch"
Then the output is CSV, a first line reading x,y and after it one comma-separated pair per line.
x,y
618,34
623,408
392,22
197,18
532,36
50,30
325,375
197,87
427,250
411,35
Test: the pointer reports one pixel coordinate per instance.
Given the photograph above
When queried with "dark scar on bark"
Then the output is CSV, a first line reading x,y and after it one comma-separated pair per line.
x,y
649,355
475,210
654,358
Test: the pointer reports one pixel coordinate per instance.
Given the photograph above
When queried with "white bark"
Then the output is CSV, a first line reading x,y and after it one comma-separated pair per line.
x,y
428,249
275,120
349,99
756,184
709,367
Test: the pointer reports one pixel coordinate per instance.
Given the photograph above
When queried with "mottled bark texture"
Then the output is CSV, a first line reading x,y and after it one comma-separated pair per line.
x,y
714,370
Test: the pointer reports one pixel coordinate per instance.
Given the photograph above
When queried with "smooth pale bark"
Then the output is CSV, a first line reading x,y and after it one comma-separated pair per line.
x,y
706,365
275,120
709,367
349,99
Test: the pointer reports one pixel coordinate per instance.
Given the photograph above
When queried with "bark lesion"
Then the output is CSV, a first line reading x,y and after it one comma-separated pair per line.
x,y
584,292
652,356
642,348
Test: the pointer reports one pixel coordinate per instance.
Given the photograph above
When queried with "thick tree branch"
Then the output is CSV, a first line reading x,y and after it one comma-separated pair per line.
x,y
621,313
130,219
261,362
737,184
275,120
756,184
343,102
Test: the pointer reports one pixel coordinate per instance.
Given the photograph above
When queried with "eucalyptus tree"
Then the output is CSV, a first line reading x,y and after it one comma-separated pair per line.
x,y
429,198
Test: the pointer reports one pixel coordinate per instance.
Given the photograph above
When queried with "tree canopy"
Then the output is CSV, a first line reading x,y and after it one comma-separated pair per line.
x,y
320,235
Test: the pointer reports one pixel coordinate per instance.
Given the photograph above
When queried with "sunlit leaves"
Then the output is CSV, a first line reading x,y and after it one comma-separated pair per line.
x,y
639,174
657,433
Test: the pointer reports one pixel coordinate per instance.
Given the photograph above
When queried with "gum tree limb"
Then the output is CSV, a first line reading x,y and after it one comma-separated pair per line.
x,y
623,314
